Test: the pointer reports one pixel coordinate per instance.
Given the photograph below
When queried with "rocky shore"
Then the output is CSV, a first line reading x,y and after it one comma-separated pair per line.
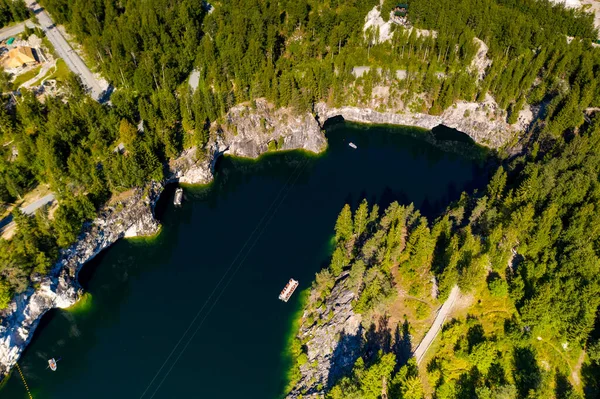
x,y
61,289
333,346
248,130
471,118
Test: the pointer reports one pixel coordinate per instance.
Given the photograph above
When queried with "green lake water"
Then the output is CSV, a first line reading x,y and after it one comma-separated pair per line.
x,y
262,221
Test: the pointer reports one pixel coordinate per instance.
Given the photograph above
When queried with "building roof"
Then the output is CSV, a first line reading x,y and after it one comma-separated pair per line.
x,y
17,57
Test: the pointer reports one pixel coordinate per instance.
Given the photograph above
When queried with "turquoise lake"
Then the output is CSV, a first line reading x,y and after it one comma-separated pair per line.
x,y
224,256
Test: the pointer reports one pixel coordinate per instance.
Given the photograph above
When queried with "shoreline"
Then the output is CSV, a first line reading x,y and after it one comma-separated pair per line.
x,y
135,219
288,354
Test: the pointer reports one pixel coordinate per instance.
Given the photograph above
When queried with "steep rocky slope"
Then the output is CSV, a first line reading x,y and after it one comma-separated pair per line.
x,y
250,129
468,117
332,346
60,289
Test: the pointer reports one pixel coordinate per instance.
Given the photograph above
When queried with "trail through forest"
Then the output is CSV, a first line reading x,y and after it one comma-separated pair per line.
x,y
437,324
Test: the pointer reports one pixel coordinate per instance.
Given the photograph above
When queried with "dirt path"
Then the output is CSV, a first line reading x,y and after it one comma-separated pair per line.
x,y
577,369
437,324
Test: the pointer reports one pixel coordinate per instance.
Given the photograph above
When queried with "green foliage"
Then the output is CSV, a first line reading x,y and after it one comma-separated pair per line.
x,y
360,218
365,382
69,217
29,253
498,287
13,11
344,225
338,261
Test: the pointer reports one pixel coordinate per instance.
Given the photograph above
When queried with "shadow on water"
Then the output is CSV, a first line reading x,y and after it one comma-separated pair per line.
x,y
445,133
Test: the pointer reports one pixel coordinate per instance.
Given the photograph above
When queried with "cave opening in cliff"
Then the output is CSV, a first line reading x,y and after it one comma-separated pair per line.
x,y
445,133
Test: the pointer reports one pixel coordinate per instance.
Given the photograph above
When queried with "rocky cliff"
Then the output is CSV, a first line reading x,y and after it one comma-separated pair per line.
x,y
253,129
475,119
333,338
60,289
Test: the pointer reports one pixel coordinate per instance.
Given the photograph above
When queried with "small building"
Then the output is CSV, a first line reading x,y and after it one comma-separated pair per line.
x,y
19,56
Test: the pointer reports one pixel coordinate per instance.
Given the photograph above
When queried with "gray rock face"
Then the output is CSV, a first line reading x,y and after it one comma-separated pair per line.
x,y
60,289
333,346
470,118
250,128
190,170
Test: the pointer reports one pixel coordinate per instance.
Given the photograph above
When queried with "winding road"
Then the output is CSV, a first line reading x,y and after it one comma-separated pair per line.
x,y
436,327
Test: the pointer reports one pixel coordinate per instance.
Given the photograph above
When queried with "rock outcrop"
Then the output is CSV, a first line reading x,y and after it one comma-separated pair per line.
x,y
332,346
60,289
468,117
253,129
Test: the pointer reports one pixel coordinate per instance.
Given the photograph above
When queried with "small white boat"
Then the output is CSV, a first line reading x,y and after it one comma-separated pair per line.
x,y
52,364
351,144
288,290
178,196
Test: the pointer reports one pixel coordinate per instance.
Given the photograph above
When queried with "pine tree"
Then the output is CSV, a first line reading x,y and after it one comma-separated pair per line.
x,y
344,226
361,217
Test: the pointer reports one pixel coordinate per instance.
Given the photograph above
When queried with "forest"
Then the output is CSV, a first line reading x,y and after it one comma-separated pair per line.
x,y
528,244
540,205
13,11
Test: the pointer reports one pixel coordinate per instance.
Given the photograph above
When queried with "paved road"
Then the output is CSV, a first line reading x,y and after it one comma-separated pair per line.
x,y
64,50
437,324
14,30
30,209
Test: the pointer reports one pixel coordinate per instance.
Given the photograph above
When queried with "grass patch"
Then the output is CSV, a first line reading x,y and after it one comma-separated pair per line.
x,y
83,305
19,80
60,72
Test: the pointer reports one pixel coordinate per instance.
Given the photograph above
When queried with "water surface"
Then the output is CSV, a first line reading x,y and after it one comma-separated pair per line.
x,y
262,221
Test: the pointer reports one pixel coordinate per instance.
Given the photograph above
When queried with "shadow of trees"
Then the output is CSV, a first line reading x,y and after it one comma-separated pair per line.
x,y
590,375
526,372
380,337
345,354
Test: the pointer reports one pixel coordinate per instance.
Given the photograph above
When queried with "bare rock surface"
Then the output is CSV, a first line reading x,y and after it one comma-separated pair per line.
x,y
471,118
249,129
332,346
481,61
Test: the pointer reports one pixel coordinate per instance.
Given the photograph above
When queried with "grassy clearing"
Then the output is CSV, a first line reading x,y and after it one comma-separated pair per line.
x,y
19,80
60,72
479,335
